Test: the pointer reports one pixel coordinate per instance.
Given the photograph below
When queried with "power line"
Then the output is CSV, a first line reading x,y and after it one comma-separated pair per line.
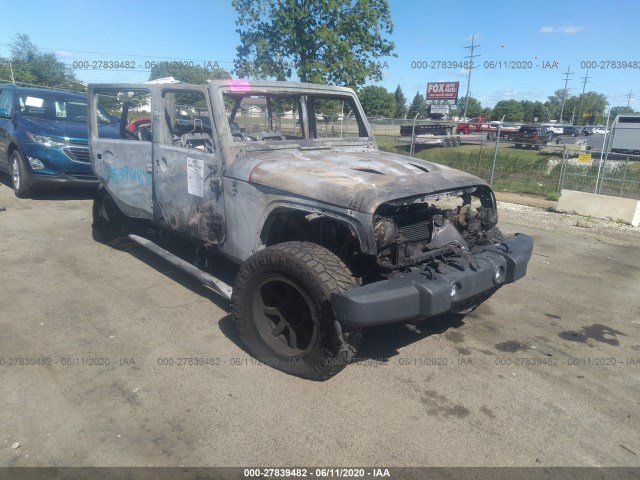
x,y
564,93
471,56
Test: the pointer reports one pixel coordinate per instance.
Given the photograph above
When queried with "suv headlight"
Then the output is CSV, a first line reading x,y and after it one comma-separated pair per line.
x,y
385,232
47,141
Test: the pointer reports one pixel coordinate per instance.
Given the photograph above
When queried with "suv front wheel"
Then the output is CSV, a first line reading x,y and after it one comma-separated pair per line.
x,y
282,309
19,179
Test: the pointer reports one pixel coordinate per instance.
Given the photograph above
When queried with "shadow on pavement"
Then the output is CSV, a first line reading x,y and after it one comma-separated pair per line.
x,y
60,193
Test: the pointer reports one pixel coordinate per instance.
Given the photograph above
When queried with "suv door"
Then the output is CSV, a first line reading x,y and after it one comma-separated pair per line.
x,y
123,164
187,163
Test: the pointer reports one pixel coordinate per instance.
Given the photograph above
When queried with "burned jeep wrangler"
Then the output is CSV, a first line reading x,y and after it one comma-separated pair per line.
x,y
330,235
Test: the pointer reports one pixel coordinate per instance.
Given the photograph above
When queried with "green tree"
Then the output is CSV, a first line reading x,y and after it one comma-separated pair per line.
x,y
401,103
527,108
473,110
615,111
593,104
338,42
539,112
195,74
417,107
511,110
571,110
33,66
554,103
377,101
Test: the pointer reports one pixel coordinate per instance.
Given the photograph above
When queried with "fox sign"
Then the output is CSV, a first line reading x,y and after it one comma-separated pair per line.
x,y
442,93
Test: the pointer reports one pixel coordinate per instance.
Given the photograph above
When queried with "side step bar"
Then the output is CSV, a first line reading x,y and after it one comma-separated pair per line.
x,y
216,284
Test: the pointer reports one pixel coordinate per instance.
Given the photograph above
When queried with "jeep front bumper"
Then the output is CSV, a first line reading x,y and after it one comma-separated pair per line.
x,y
420,295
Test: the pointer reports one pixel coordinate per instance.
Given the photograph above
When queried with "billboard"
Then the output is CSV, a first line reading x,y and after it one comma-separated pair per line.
x,y
442,93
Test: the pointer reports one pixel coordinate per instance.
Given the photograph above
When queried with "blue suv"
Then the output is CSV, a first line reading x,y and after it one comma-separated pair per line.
x,y
43,138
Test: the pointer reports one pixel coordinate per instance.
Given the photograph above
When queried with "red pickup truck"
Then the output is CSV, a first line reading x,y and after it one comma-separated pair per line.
x,y
482,125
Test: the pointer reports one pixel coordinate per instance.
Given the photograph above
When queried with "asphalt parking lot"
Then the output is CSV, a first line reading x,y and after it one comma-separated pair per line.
x,y
545,373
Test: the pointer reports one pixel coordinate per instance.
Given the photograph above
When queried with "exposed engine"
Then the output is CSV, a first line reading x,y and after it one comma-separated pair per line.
x,y
410,234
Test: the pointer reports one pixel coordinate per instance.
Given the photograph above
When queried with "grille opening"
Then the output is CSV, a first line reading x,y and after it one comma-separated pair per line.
x,y
79,154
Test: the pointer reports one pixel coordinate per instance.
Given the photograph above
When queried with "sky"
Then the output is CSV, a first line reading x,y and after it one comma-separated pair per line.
x,y
525,48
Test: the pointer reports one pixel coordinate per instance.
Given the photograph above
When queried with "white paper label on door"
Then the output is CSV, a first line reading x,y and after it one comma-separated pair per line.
x,y
195,176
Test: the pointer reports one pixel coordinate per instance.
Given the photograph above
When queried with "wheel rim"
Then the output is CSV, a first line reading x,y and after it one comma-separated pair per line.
x,y
284,316
15,173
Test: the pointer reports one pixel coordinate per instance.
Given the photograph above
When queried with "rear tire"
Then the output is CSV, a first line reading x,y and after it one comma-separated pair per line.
x,y
282,309
19,180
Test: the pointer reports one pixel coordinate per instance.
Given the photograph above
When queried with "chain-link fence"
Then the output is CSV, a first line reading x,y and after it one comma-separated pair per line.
x,y
613,169
530,168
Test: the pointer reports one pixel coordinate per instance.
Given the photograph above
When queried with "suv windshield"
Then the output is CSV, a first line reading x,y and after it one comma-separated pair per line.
x,y
279,117
59,108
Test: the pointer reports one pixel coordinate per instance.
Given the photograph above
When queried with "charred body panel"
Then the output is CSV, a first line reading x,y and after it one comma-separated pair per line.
x,y
359,180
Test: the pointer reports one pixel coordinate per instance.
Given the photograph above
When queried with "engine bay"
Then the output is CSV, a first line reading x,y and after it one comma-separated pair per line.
x,y
413,232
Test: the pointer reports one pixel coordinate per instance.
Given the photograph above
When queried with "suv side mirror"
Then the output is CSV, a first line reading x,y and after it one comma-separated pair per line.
x,y
4,113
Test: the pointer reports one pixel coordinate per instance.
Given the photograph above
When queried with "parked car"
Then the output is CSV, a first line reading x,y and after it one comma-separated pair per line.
x,y
572,130
43,138
535,136
553,128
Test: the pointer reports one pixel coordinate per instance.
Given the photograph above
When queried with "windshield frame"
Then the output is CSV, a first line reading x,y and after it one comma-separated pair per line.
x,y
307,142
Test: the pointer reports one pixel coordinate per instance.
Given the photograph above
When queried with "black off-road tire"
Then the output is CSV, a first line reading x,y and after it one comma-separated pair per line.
x,y
296,278
18,172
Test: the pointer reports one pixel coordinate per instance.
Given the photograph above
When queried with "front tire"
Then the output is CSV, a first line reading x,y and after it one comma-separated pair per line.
x,y
282,309
19,179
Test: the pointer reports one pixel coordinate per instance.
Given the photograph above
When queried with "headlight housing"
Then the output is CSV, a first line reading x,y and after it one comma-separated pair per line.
x,y
46,140
385,232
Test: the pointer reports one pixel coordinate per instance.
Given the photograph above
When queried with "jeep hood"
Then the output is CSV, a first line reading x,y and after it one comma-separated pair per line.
x,y
359,180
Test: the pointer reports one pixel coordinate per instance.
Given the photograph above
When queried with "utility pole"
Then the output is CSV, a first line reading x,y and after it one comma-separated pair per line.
x,y
13,80
584,86
471,56
629,97
564,94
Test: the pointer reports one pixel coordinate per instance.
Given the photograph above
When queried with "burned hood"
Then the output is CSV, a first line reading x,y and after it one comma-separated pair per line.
x,y
359,180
